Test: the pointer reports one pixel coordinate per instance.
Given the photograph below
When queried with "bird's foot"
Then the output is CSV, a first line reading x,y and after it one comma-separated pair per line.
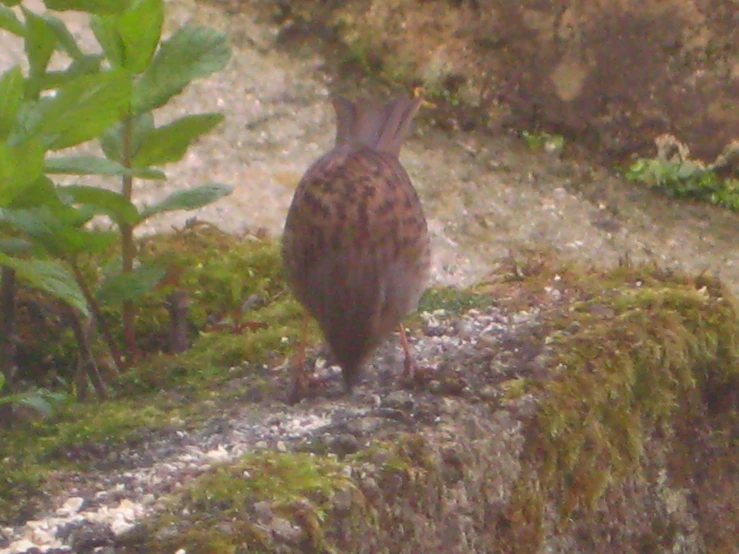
x,y
307,381
413,375
304,381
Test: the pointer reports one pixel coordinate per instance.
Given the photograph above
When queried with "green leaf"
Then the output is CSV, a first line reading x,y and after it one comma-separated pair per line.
x,y
11,96
10,22
140,28
12,245
50,277
41,400
83,165
192,52
19,167
106,32
112,139
82,109
93,165
41,192
129,286
38,403
89,6
58,231
85,65
169,143
189,199
105,201
689,169
65,39
40,44
38,223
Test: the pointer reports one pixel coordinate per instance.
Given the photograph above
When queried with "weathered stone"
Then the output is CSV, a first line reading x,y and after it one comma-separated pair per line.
x,y
618,72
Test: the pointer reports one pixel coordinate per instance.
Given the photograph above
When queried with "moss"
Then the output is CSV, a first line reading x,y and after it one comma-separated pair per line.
x,y
220,272
21,491
515,388
453,300
240,306
216,513
631,352
233,284
287,502
34,456
228,278
632,356
407,452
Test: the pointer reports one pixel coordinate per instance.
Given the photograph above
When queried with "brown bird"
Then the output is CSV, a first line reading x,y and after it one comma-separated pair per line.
x,y
356,246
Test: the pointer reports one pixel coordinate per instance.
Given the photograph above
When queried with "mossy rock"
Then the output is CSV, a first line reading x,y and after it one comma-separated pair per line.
x,y
219,272
580,449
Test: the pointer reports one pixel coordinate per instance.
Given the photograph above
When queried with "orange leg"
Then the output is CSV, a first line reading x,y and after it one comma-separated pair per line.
x,y
408,365
300,379
303,340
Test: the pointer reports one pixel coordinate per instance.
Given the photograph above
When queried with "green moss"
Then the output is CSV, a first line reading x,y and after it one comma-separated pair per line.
x,y
219,272
515,388
216,513
631,357
240,305
453,300
233,284
407,452
227,278
630,353
79,435
237,507
21,489
112,423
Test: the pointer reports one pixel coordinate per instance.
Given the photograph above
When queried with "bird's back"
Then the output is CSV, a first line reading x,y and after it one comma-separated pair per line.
x,y
356,248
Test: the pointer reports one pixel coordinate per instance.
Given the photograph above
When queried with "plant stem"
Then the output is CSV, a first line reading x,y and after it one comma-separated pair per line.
x,y
128,247
7,324
98,315
178,307
8,365
87,359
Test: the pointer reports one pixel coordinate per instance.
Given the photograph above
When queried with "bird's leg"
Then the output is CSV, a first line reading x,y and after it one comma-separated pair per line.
x,y
303,380
408,364
300,379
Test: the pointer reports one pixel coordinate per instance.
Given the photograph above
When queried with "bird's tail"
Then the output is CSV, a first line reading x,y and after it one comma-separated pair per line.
x,y
383,127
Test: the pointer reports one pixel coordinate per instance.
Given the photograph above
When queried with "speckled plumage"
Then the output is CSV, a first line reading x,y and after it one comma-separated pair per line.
x,y
356,246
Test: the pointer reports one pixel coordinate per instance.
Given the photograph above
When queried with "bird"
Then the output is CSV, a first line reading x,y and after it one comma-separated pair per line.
x,y
355,246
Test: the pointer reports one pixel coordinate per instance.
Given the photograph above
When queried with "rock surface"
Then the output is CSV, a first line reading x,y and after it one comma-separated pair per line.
x,y
620,73
584,411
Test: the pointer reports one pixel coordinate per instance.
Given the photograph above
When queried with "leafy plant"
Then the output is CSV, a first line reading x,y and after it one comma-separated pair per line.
x,y
681,177
40,400
544,141
111,97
